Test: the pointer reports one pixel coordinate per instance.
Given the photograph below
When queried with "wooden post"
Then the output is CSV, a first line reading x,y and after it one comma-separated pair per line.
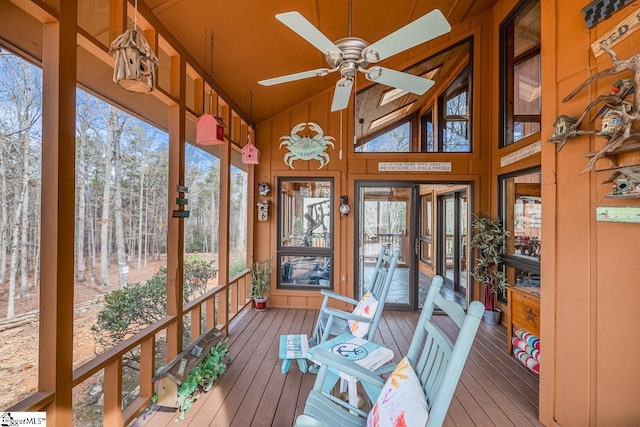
x,y
175,237
55,370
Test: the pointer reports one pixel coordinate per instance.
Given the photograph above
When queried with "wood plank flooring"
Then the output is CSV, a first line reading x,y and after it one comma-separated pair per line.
x,y
494,390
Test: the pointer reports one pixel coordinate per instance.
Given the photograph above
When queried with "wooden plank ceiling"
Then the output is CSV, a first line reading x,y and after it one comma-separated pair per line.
x,y
250,44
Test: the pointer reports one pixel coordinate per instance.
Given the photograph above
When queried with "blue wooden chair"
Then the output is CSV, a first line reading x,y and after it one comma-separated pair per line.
x,y
333,322
435,360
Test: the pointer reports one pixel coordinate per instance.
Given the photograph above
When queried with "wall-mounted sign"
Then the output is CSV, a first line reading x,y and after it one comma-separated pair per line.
x,y
618,214
182,189
180,214
621,31
520,154
181,201
414,167
600,10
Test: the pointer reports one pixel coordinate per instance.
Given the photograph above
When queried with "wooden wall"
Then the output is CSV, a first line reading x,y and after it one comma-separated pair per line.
x,y
590,269
473,167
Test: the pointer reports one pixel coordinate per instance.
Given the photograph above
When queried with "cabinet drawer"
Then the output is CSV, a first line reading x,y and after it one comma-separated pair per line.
x,y
525,313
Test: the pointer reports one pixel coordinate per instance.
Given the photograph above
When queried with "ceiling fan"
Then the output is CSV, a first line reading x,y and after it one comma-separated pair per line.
x,y
351,54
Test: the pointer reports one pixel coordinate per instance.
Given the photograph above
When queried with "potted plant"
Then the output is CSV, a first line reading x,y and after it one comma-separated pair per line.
x,y
261,283
490,239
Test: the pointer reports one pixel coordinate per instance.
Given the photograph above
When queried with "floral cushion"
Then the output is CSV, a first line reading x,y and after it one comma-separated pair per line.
x,y
366,308
401,401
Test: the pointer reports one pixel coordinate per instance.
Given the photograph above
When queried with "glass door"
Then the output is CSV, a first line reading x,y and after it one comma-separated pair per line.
x,y
453,245
384,218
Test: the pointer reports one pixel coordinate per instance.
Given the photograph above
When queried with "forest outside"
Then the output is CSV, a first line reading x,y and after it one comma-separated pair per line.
x,y
121,217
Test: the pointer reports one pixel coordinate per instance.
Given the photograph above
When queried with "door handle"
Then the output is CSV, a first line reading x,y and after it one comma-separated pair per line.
x,y
417,246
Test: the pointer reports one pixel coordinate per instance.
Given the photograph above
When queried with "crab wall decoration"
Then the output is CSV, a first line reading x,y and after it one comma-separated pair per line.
x,y
302,145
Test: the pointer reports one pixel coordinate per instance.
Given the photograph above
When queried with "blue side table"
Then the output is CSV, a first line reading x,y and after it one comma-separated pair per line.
x,y
294,347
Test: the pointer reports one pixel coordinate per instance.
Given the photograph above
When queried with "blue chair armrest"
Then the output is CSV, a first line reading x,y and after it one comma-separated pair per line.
x,y
333,295
346,315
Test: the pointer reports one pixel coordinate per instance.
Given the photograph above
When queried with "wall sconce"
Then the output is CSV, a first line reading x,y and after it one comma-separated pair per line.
x,y
344,205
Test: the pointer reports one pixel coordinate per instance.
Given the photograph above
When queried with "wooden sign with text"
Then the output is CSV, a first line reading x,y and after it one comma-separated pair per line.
x,y
623,30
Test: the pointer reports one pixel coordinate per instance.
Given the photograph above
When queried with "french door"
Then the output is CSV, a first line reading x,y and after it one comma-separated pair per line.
x,y
453,240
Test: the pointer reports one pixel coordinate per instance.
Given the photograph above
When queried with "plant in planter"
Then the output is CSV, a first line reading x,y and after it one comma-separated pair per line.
x,y
261,283
201,377
489,238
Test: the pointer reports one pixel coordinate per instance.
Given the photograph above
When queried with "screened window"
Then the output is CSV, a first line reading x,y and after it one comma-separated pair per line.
x,y
305,250
521,204
238,216
520,72
20,214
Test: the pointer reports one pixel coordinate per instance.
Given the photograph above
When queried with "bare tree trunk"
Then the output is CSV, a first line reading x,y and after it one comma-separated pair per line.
x,y
141,211
214,223
36,256
106,207
4,233
81,193
24,237
123,268
13,268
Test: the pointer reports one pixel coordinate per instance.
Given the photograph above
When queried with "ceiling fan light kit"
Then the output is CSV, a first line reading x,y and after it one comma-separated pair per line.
x,y
351,55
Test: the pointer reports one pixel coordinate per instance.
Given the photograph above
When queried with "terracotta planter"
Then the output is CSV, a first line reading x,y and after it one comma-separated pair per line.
x,y
261,304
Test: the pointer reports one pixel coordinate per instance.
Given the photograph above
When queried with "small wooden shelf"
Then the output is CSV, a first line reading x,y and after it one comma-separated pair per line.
x,y
524,311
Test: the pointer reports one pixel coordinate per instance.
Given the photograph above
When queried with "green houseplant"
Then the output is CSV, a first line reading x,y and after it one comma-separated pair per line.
x,y
489,238
261,283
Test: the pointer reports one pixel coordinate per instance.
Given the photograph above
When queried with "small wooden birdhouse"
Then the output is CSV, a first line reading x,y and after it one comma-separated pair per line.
x,y
135,62
563,125
210,130
610,122
250,154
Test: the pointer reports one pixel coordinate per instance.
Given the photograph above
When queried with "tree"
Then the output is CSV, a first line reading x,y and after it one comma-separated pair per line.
x,y
21,104
130,309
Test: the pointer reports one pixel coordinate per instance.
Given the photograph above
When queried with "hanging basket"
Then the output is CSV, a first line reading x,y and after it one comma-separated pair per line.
x,y
135,62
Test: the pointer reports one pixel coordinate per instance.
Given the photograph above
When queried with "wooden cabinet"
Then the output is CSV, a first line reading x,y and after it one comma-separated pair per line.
x,y
524,311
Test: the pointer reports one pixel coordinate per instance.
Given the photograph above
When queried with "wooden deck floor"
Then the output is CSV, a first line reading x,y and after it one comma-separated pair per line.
x,y
494,389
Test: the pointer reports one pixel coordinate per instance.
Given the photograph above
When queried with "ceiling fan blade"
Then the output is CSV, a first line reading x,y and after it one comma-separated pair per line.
x,y
307,31
398,79
430,26
296,76
342,94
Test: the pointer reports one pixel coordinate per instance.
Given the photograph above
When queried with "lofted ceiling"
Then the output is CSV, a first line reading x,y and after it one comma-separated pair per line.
x,y
251,45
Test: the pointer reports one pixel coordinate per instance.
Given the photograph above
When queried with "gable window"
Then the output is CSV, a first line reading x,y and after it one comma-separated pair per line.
x,y
455,110
396,139
428,141
520,73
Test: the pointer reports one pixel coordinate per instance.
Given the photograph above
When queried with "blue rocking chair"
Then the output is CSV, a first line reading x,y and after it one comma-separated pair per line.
x,y
333,322
435,365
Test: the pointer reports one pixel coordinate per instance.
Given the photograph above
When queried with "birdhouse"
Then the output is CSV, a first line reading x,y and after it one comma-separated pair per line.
x,y
610,123
563,125
250,154
135,62
210,130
